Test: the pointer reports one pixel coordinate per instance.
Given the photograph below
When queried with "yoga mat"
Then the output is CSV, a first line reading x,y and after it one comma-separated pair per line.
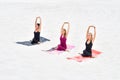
x,y
28,43
54,51
79,58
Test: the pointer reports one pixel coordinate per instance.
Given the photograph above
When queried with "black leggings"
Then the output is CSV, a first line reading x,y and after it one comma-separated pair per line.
x,y
86,54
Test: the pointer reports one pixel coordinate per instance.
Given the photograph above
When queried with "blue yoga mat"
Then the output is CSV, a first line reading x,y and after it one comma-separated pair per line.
x,y
28,43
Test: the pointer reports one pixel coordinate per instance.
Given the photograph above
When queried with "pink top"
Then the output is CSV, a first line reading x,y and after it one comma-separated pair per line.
x,y
62,45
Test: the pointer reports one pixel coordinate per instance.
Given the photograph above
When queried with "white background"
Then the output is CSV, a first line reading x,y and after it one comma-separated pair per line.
x,y
19,62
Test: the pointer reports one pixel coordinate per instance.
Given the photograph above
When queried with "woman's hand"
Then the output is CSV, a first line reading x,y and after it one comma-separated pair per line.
x,y
66,23
38,17
92,26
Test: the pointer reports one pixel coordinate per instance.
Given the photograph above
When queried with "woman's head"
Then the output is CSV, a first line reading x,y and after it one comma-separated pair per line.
x,y
89,36
64,32
38,24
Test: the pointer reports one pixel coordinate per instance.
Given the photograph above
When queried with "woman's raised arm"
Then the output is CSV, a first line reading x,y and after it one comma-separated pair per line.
x,y
40,23
87,31
94,36
68,29
36,21
62,27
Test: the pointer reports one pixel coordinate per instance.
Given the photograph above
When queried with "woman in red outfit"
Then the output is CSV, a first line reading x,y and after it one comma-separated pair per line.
x,y
64,33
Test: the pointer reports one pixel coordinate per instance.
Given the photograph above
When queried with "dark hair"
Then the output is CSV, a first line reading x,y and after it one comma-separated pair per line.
x,y
38,24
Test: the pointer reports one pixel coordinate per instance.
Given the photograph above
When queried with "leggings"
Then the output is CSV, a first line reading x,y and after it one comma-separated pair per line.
x,y
61,48
86,54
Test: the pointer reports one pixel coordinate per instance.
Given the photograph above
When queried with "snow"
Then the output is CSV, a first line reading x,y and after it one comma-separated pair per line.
x,y
20,62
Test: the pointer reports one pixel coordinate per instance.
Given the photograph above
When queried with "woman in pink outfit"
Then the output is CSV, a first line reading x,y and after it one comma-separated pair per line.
x,y
64,33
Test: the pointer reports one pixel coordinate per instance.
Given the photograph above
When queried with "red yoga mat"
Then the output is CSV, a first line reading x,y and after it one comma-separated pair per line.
x,y
79,58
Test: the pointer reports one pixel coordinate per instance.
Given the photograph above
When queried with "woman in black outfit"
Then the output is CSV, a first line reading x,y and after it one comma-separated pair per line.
x,y
36,38
89,42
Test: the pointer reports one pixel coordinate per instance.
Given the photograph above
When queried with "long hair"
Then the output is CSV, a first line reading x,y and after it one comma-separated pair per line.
x,y
65,32
91,36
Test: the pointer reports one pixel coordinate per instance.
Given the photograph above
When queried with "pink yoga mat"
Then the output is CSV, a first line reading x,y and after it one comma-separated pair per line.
x,y
69,47
79,58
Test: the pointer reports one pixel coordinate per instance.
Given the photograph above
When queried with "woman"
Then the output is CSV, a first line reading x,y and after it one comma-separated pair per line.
x,y
89,42
64,33
37,31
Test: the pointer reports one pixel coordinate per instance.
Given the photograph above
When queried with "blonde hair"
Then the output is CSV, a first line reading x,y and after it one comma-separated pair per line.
x,y
91,36
65,32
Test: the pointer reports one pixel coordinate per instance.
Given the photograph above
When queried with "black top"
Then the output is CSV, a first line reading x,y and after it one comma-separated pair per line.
x,y
37,36
89,46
